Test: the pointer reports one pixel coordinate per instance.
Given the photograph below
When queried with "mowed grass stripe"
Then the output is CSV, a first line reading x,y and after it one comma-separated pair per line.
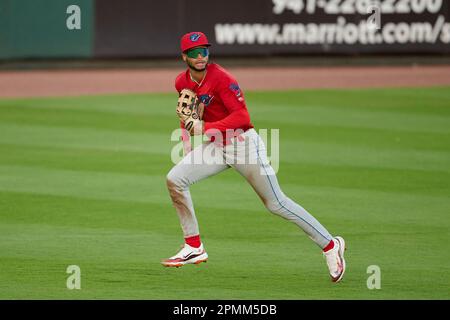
x,y
371,165
87,119
135,104
316,120
105,274
355,214
362,117
85,159
363,156
408,101
376,138
229,194
292,151
311,121
35,135
104,261
429,102
308,173
375,109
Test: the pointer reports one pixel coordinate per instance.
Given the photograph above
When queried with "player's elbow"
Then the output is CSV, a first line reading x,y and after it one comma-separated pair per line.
x,y
245,117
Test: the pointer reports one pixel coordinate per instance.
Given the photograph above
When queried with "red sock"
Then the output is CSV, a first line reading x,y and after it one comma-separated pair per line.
x,y
329,246
193,241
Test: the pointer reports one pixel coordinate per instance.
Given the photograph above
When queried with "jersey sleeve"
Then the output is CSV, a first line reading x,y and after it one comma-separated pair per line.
x,y
178,84
232,97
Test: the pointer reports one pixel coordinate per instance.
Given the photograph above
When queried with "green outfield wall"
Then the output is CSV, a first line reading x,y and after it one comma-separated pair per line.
x,y
150,28
38,29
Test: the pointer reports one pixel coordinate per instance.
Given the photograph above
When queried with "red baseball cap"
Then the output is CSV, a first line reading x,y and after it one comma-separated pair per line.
x,y
193,39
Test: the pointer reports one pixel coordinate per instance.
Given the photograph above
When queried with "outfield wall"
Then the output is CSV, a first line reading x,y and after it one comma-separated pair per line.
x,y
38,29
144,28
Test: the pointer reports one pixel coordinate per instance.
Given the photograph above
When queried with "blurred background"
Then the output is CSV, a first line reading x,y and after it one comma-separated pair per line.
x,y
100,30
358,88
102,35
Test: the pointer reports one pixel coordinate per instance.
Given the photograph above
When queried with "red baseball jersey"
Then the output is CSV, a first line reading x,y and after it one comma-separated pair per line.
x,y
224,101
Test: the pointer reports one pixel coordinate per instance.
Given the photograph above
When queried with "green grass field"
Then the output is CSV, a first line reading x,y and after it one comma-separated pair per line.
x,y
82,182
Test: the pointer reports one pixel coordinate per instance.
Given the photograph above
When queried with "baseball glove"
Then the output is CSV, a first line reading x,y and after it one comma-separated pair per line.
x,y
189,108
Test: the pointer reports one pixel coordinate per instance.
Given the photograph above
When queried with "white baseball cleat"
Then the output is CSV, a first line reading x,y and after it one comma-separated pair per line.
x,y
187,255
335,259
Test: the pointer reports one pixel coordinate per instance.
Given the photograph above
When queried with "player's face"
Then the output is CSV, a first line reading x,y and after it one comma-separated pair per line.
x,y
197,58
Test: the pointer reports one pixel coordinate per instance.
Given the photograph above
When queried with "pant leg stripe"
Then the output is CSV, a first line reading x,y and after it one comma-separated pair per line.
x,y
279,202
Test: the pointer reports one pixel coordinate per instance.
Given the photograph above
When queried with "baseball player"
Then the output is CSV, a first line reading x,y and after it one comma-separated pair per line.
x,y
212,103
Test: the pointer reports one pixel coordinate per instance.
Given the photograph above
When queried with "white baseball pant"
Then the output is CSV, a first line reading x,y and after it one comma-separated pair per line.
x,y
247,154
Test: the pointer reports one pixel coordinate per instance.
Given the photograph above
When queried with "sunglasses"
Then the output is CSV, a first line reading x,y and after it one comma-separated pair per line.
x,y
193,54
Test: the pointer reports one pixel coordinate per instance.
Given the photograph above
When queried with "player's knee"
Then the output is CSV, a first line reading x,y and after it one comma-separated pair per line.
x,y
273,206
174,180
276,205
171,181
